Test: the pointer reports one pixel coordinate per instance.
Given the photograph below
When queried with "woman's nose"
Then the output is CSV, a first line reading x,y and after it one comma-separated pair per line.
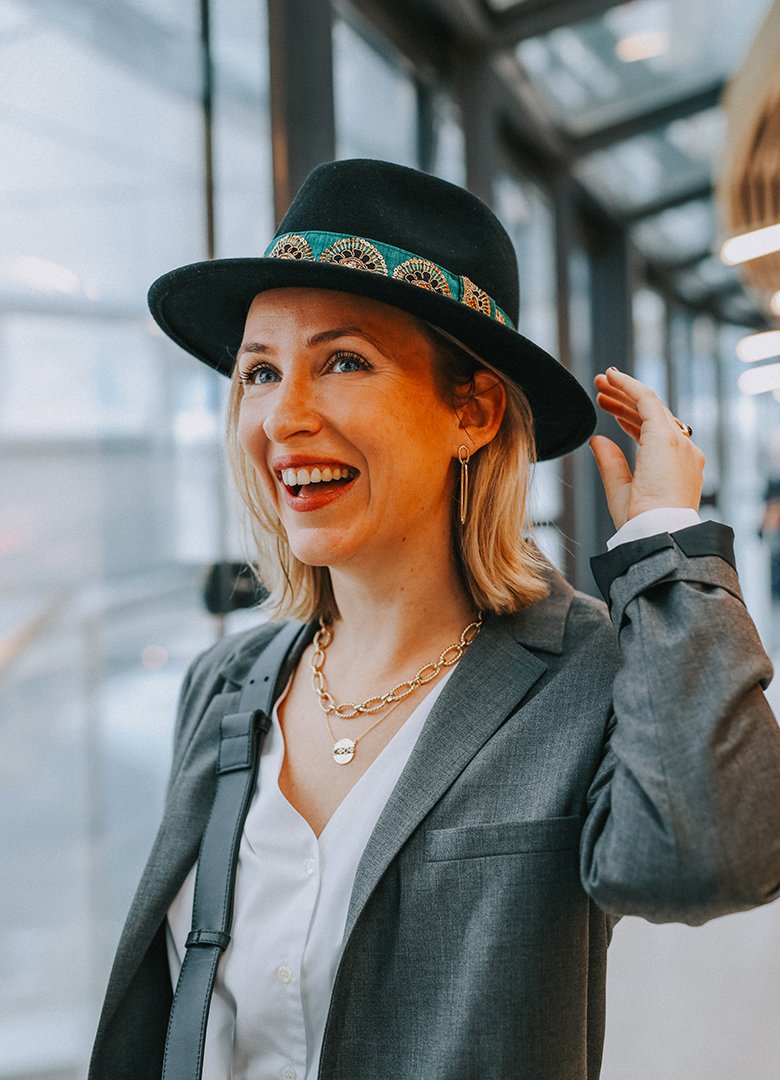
x,y
292,411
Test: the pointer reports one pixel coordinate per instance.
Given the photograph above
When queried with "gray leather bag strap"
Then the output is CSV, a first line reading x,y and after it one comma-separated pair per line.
x,y
212,913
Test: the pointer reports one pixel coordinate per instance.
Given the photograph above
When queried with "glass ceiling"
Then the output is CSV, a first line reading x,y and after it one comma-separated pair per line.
x,y
660,163
619,68
637,56
678,235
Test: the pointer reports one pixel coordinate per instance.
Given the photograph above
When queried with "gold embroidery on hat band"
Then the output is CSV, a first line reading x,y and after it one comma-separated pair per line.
x,y
423,274
355,253
360,253
291,246
475,297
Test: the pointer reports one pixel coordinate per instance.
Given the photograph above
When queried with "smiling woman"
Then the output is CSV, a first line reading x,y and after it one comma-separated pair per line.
x,y
403,375
400,830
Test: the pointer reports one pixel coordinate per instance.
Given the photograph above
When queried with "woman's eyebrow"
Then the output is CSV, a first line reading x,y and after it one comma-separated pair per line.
x,y
252,347
317,339
341,331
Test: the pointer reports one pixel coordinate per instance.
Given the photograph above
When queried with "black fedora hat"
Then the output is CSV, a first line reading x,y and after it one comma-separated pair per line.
x,y
396,235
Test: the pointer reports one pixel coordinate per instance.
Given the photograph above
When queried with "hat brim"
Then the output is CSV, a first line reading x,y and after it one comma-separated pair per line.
x,y
203,308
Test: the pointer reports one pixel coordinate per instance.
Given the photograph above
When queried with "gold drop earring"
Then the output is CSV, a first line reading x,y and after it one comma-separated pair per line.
x,y
464,457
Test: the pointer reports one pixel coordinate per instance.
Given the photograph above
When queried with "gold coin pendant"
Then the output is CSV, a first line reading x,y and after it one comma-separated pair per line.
x,y
343,751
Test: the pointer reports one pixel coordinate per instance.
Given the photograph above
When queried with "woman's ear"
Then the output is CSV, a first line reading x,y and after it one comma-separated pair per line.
x,y
482,410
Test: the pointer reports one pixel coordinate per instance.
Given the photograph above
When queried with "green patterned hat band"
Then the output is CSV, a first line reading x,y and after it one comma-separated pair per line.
x,y
359,253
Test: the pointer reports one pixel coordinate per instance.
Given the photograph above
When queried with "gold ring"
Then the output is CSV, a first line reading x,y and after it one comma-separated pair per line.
x,y
686,429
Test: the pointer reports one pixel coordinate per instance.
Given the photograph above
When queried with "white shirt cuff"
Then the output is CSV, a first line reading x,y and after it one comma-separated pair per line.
x,y
651,522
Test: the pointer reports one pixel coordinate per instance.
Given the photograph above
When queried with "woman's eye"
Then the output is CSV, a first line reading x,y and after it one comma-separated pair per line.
x,y
348,362
258,375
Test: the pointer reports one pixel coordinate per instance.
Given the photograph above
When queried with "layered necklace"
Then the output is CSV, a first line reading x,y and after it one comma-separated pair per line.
x,y
344,749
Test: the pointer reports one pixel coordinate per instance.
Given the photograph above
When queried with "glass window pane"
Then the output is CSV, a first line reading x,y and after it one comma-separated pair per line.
x,y
649,319
528,219
751,445
112,479
376,101
242,128
449,158
527,216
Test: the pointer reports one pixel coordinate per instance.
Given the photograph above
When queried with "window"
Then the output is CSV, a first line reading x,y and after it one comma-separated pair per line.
x,y
528,219
112,477
375,98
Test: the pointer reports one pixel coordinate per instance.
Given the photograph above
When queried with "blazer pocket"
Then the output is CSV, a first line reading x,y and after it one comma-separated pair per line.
x,y
502,838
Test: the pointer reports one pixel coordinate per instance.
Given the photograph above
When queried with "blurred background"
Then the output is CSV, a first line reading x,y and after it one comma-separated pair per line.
x,y
621,144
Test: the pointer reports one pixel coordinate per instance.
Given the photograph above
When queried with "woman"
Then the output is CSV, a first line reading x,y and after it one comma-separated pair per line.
x,y
431,864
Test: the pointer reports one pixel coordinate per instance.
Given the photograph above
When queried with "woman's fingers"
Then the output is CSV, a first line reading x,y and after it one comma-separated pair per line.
x,y
629,400
623,413
647,403
605,386
615,476
669,467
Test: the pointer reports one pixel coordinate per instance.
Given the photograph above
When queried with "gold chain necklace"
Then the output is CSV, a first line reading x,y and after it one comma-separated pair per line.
x,y
344,749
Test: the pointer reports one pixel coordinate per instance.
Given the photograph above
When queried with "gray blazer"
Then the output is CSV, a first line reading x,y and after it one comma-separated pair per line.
x,y
573,769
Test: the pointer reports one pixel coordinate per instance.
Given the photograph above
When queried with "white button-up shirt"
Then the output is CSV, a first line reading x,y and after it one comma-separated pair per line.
x,y
275,979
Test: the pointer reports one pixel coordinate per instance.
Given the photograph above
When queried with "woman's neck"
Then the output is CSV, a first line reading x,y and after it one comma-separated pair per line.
x,y
393,617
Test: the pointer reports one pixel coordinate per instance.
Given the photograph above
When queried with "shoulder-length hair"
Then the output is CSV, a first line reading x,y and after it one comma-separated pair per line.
x,y
501,568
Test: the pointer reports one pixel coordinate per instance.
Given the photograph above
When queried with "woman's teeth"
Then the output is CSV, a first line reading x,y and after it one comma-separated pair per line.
x,y
316,475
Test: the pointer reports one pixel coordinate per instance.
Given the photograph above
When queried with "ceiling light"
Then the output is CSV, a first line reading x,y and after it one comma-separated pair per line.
x,y
641,46
761,346
774,303
751,245
759,380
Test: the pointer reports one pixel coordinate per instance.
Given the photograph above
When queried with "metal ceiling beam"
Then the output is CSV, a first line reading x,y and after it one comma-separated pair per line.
x,y
700,190
467,19
722,289
708,303
532,18
672,266
707,97
419,31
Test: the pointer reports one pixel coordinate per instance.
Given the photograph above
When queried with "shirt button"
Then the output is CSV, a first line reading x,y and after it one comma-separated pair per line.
x,y
311,866
287,1073
284,974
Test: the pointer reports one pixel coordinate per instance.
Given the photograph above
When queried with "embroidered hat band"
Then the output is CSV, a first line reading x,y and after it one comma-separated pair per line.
x,y
359,253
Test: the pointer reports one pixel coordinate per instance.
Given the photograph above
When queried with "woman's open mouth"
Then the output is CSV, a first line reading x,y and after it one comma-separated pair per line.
x,y
309,487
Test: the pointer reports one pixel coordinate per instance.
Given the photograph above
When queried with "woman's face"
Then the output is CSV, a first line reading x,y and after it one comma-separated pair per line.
x,y
335,383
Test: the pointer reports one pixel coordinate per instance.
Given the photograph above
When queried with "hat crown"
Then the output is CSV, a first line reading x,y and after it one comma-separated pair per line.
x,y
395,205
396,236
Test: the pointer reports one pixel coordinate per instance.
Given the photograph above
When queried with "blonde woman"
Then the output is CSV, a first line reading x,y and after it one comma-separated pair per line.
x,y
468,770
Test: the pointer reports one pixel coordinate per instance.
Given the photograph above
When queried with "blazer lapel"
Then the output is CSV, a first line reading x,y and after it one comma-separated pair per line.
x,y
488,684
491,680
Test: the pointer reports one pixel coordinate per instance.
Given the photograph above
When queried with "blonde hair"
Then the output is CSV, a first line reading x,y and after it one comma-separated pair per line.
x,y
501,569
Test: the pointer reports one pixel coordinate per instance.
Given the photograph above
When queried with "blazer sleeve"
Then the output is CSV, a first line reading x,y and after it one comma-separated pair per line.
x,y
683,818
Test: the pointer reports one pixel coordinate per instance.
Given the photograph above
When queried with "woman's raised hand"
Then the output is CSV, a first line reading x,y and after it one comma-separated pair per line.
x,y
669,466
